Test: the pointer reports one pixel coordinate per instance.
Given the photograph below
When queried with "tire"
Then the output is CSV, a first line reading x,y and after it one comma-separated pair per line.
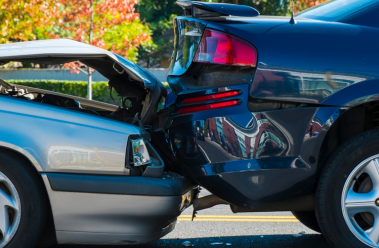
x,y
308,219
345,200
27,184
48,237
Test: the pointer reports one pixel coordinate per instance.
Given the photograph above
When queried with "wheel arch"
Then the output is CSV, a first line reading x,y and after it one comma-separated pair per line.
x,y
345,114
22,152
352,122
48,236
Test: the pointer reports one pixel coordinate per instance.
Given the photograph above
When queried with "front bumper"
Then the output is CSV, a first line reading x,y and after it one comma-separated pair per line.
x,y
145,214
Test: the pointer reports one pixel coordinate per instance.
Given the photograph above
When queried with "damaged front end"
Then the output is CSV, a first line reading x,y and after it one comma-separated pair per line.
x,y
93,155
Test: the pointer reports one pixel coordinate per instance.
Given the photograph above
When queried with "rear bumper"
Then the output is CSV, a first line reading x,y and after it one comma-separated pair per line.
x,y
249,159
115,217
250,184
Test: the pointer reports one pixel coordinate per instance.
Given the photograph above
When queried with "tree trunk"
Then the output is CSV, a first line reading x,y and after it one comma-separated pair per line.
x,y
90,34
89,86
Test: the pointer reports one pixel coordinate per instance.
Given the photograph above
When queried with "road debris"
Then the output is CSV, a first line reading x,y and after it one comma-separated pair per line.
x,y
217,243
187,244
299,234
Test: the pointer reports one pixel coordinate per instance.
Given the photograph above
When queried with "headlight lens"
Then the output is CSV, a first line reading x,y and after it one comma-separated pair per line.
x,y
140,154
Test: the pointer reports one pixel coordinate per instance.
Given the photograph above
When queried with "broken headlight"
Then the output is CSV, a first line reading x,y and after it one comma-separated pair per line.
x,y
140,154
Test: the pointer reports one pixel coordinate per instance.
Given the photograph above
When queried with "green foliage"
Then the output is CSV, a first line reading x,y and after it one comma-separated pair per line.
x,y
123,38
100,90
18,19
158,15
156,11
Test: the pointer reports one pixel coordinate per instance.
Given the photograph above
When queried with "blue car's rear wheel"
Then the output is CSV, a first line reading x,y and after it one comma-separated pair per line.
x,y
347,198
23,203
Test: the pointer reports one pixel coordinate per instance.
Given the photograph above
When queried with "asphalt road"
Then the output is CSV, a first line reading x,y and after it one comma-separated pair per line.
x,y
220,225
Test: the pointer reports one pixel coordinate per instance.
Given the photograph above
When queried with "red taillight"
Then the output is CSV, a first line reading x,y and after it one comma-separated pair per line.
x,y
211,97
208,107
221,48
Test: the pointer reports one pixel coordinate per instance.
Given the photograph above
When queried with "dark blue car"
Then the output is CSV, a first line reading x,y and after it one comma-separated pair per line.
x,y
294,105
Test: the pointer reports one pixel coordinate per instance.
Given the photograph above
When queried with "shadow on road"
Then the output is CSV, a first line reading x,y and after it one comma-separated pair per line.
x,y
265,241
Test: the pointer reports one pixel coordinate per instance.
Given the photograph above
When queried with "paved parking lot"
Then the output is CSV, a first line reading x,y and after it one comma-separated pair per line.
x,y
220,227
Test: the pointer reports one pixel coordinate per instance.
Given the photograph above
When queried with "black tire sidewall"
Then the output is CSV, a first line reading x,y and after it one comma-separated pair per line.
x,y
33,201
308,219
328,196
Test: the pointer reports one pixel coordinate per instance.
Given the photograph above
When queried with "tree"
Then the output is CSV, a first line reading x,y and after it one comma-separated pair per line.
x,y
19,19
305,4
109,24
159,15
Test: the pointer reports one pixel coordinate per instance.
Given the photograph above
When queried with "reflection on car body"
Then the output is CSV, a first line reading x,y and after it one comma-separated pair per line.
x,y
252,141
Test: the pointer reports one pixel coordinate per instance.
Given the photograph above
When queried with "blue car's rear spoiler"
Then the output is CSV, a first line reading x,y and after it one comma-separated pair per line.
x,y
203,9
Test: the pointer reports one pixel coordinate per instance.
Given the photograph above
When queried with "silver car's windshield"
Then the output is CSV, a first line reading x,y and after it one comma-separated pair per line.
x,y
335,10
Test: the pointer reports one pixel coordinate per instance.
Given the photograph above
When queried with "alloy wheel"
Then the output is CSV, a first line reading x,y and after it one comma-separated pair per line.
x,y
10,210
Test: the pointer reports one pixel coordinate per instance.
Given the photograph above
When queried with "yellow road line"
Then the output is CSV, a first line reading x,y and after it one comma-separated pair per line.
x,y
239,217
239,220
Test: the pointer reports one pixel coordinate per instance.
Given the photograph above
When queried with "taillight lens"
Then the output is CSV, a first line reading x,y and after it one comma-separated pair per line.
x,y
208,107
217,47
211,97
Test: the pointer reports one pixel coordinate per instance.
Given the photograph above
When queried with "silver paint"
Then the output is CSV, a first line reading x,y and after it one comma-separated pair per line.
x,y
60,140
89,218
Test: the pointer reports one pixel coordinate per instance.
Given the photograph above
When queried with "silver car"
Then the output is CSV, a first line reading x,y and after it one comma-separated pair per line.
x,y
79,171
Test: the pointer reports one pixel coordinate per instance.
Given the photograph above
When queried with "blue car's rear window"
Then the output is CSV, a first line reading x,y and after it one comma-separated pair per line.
x,y
335,10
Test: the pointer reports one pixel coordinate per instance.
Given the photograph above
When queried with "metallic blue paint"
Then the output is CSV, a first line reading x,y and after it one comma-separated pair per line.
x,y
253,158
237,154
227,9
185,46
341,55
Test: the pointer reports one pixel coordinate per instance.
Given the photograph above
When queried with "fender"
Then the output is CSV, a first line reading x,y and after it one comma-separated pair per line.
x,y
34,160
336,105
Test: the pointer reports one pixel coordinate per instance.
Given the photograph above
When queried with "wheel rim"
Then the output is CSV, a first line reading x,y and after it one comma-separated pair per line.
x,y
10,210
360,201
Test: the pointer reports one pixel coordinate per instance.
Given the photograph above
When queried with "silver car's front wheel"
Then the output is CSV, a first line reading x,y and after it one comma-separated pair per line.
x,y
24,204
360,201
10,210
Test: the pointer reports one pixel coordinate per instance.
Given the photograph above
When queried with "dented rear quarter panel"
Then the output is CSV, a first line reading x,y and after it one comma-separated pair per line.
x,y
305,62
308,61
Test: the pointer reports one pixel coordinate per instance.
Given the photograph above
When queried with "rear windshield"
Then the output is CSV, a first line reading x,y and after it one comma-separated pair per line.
x,y
335,10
